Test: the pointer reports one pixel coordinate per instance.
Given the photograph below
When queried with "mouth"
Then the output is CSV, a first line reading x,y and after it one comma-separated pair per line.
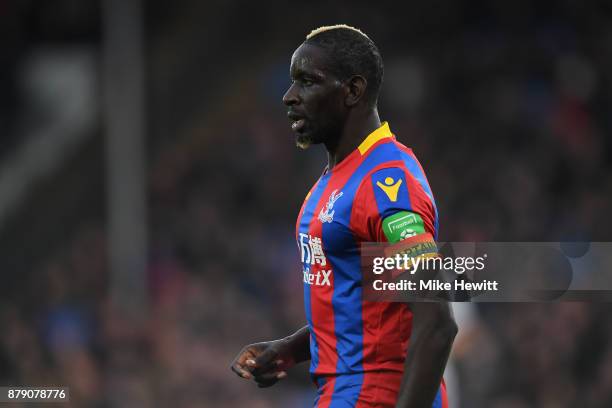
x,y
297,121
298,125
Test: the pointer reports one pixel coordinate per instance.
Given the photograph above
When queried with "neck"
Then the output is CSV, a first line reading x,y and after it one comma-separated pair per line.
x,y
353,133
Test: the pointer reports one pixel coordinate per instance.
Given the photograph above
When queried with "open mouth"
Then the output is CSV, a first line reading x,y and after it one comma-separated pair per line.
x,y
298,125
297,121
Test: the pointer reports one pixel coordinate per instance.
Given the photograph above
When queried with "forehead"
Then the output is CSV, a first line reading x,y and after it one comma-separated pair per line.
x,y
308,59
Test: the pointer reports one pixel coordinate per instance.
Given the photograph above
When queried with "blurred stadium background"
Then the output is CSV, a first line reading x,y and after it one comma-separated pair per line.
x,y
149,186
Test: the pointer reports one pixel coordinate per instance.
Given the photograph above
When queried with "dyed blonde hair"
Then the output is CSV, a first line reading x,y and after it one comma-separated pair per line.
x,y
334,27
351,52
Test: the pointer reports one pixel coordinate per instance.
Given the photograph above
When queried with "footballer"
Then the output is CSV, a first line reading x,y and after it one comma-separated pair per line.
x,y
362,354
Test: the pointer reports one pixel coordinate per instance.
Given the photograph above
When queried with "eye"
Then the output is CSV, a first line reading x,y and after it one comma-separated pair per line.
x,y
307,82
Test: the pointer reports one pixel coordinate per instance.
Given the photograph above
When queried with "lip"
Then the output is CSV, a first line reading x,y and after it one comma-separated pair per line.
x,y
294,116
298,121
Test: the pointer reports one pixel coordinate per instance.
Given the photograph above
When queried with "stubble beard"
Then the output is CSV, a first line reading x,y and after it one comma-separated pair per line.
x,y
303,142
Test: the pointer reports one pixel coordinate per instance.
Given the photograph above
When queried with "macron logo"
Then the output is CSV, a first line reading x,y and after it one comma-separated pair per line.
x,y
321,278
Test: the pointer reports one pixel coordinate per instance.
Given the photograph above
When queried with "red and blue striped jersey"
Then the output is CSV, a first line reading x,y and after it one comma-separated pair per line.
x,y
346,207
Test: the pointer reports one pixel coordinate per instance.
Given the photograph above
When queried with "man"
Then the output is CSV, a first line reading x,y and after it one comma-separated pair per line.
x,y
358,350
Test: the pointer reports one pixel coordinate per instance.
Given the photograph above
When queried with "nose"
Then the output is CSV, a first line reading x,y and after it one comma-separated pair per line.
x,y
291,96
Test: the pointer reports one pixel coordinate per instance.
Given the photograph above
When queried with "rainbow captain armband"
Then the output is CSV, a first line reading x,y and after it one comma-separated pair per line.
x,y
412,252
422,245
392,270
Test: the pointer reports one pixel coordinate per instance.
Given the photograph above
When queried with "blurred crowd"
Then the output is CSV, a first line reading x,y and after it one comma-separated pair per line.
x,y
507,108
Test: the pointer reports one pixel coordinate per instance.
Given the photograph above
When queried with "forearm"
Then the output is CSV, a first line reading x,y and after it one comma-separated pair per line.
x,y
430,345
299,344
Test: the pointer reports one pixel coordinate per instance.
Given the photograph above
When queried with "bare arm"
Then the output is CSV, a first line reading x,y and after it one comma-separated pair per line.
x,y
299,343
433,332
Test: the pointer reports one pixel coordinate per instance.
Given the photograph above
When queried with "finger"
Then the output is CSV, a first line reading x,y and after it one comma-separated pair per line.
x,y
243,359
241,372
259,369
254,369
274,366
270,377
265,358
266,383
246,355
270,368
252,363
269,380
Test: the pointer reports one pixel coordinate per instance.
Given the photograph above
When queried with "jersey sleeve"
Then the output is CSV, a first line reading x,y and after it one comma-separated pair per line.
x,y
391,206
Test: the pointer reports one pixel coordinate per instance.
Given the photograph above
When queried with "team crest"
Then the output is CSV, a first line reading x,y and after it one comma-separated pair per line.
x,y
327,212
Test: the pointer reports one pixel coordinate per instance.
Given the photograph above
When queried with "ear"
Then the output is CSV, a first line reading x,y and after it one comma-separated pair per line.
x,y
356,86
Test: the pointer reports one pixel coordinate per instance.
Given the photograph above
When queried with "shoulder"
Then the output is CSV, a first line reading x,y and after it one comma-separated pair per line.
x,y
396,185
393,164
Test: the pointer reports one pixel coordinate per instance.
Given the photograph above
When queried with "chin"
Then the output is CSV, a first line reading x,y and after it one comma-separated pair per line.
x,y
303,141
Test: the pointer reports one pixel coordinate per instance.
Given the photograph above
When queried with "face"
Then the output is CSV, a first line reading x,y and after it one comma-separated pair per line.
x,y
315,99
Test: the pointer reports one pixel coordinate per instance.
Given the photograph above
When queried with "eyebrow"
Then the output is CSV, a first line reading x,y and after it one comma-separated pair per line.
x,y
299,73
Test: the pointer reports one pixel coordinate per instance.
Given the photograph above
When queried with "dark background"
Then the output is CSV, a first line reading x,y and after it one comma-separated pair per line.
x,y
507,104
